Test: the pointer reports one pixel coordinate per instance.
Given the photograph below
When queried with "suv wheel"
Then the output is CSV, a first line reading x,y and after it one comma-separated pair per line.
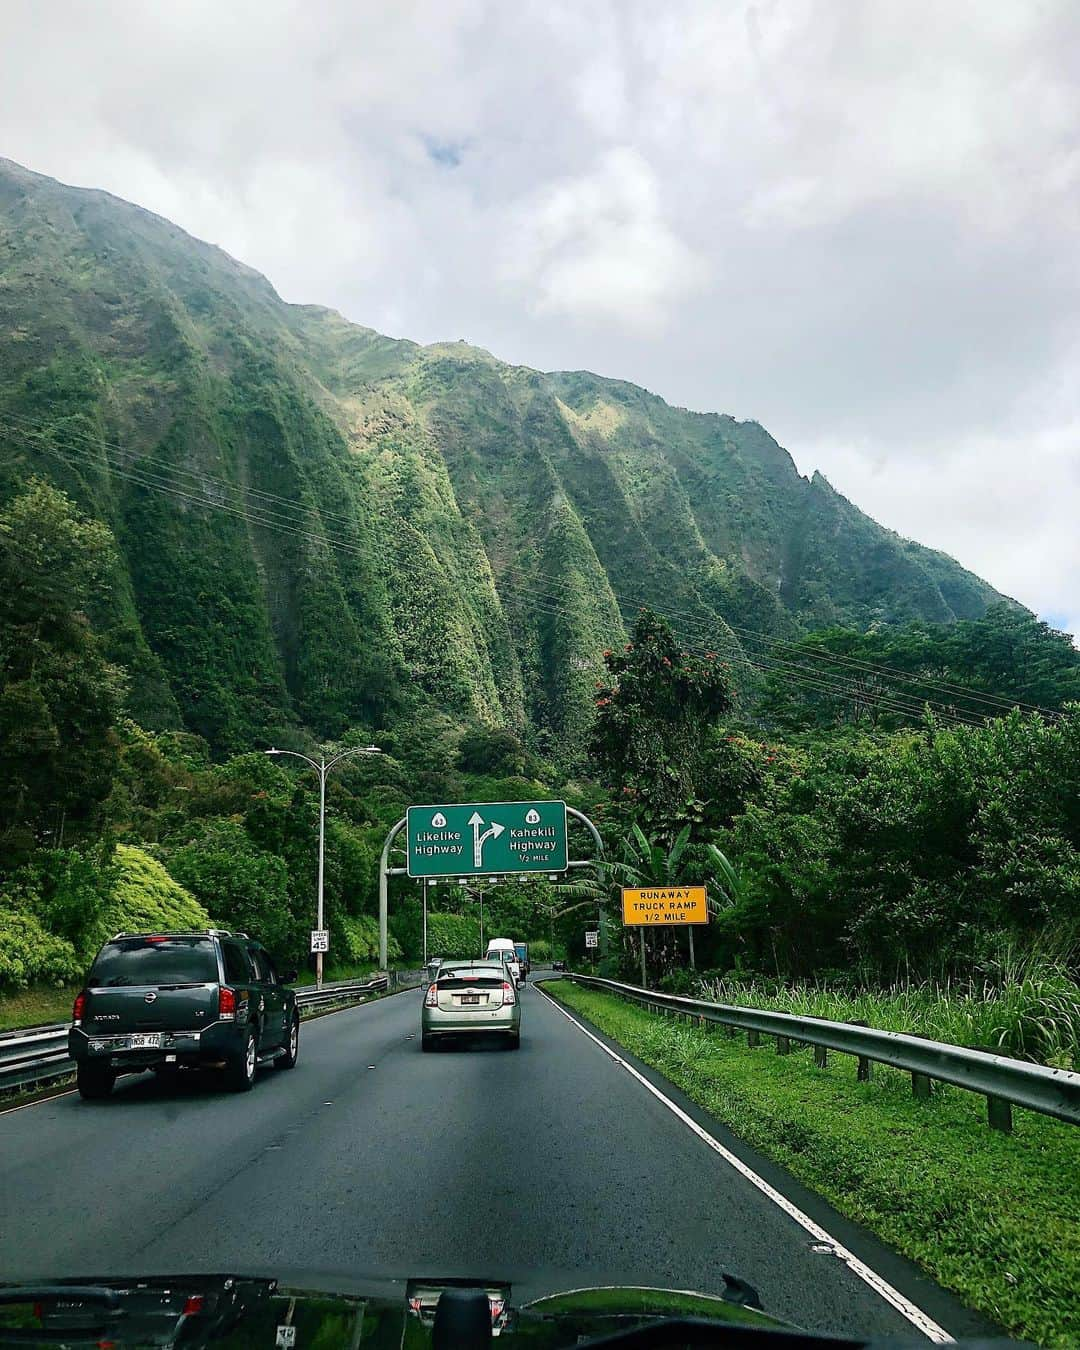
x,y
95,1080
292,1046
240,1072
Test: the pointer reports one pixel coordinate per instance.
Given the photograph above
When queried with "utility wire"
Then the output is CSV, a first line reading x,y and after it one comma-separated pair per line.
x,y
266,517
680,618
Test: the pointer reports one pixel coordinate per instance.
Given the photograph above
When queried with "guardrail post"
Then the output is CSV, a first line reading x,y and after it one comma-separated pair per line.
x,y
753,1039
999,1114
821,1057
783,1045
862,1073
920,1086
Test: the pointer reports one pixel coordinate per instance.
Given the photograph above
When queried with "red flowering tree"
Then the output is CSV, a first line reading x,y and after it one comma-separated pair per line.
x,y
653,718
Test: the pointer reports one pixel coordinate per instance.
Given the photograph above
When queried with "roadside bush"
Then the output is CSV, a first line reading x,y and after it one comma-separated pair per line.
x,y
681,982
244,886
1032,1011
145,898
356,939
29,954
455,935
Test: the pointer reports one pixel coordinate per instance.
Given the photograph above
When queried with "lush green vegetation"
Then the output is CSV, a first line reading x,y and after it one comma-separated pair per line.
x,y
316,528
1030,1009
990,1216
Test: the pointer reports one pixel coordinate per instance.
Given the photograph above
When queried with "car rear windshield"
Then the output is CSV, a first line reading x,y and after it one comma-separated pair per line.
x,y
155,960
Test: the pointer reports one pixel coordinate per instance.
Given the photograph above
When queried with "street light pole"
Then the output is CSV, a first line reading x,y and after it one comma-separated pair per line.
x,y
322,767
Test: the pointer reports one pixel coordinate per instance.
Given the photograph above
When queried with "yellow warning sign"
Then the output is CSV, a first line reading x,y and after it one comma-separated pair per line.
x,y
664,904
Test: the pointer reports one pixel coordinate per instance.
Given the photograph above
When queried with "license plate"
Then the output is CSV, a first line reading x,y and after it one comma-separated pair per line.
x,y
470,998
149,1041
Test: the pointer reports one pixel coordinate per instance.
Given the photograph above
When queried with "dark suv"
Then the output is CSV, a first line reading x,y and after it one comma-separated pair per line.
x,y
165,1000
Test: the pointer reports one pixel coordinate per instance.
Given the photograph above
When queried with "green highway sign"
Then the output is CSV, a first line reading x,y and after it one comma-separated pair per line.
x,y
484,839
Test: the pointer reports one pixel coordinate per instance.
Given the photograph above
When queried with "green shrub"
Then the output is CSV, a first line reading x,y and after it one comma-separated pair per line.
x,y
355,939
144,897
29,954
244,886
454,935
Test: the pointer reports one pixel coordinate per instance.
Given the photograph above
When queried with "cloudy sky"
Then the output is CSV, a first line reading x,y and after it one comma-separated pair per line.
x,y
856,221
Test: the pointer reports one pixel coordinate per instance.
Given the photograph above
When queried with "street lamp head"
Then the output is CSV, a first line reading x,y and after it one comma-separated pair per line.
x,y
272,752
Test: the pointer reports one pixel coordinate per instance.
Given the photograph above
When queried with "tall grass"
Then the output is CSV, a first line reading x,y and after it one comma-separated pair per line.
x,y
1028,1007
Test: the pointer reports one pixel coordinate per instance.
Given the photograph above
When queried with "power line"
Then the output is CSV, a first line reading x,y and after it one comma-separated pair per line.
x,y
266,517
896,703
681,618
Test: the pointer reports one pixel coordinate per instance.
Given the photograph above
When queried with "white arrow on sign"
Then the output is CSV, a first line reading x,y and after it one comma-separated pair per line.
x,y
479,840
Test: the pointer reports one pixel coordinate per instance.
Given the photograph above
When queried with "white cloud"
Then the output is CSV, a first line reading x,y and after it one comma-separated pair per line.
x,y
597,247
855,223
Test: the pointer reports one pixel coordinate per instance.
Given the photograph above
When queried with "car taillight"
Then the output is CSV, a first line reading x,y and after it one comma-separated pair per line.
x,y
508,992
432,999
193,1305
79,1008
226,1003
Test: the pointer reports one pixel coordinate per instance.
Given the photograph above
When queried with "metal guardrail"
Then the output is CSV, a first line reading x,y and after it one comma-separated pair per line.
x,y
34,1055
40,1055
1003,1081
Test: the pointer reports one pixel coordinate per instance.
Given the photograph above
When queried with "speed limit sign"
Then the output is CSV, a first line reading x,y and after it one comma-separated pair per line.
x,y
320,939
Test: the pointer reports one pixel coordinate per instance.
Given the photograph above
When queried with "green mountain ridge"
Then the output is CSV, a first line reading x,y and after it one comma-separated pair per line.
x,y
320,526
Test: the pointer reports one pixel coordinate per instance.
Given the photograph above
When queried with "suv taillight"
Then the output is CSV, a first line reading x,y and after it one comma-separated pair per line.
x,y
226,1003
432,998
79,1008
508,992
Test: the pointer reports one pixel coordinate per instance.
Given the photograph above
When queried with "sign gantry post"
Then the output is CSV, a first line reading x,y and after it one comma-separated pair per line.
x,y
480,839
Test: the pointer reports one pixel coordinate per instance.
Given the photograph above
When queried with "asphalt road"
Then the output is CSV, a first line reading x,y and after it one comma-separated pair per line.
x,y
551,1167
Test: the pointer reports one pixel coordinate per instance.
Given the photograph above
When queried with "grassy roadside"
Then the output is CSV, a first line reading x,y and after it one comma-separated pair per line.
x,y
995,1218
29,1007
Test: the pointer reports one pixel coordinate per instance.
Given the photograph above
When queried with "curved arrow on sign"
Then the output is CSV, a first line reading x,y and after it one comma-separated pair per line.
x,y
479,840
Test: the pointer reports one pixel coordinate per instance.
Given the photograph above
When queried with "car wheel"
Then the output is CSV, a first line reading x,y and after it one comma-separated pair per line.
x,y
292,1046
427,1042
240,1071
95,1081
514,1042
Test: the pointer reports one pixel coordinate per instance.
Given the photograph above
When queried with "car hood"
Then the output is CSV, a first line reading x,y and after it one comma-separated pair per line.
x,y
301,1309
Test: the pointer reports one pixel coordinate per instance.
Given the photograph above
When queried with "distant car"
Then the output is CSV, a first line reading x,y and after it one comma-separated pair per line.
x,y
471,997
558,965
166,1001
431,970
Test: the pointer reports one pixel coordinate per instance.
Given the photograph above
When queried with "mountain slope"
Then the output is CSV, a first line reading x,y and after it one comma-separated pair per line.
x,y
321,526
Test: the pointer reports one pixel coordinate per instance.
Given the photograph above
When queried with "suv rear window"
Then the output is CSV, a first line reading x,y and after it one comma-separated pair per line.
x,y
155,960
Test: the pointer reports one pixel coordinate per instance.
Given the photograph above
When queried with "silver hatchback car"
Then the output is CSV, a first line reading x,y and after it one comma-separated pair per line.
x,y
471,997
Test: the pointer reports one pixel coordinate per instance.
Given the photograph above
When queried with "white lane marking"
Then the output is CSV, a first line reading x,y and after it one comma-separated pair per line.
x,y
877,1283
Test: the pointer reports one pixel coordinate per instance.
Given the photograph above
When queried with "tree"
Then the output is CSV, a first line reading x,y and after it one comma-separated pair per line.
x,y
648,862
653,721
59,697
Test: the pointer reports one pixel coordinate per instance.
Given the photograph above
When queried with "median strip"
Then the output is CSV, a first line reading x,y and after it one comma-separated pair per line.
x,y
990,1216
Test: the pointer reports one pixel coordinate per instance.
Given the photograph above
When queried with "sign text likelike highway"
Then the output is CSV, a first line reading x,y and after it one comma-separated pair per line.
x,y
485,839
664,904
